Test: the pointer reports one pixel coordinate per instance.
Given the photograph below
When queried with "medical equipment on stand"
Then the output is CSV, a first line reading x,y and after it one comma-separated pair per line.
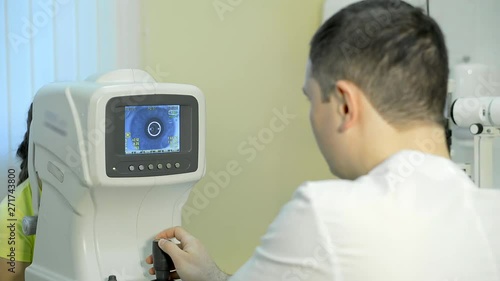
x,y
476,107
117,156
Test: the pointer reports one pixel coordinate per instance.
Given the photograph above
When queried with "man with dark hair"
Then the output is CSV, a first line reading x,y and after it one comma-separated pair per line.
x,y
394,58
391,51
377,84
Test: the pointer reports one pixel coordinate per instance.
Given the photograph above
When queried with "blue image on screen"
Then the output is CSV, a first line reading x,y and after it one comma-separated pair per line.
x,y
152,129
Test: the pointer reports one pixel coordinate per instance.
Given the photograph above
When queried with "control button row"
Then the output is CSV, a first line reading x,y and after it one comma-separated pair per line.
x,y
141,167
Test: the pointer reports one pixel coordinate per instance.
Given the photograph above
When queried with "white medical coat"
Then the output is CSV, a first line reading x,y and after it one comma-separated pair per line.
x,y
413,217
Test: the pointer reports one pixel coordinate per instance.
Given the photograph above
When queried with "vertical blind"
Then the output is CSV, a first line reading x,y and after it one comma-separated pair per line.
x,y
45,41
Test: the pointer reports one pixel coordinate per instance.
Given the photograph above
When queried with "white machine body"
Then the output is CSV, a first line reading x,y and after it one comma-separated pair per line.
x,y
100,209
475,113
480,110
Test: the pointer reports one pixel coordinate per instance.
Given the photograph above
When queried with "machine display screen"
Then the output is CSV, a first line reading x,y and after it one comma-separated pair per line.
x,y
152,129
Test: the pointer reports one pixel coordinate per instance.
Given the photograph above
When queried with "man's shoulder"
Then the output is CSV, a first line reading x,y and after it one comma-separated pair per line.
x,y
323,187
339,187
337,193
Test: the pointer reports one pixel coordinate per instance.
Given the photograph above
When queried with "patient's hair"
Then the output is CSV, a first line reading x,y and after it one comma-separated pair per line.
x,y
22,151
392,51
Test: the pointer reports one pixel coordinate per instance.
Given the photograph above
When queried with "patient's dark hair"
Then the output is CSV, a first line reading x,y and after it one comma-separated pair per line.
x,y
392,51
22,150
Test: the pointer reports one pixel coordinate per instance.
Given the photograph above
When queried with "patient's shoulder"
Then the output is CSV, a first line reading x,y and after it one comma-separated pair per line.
x,y
19,199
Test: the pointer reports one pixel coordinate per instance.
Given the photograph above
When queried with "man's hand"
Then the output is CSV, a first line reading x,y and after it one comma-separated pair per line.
x,y
191,259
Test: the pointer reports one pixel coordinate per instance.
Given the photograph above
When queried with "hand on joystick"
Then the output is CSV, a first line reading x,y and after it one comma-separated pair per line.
x,y
162,263
191,259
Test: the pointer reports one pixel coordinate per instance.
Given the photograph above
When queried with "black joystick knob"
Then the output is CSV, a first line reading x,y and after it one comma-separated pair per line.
x,y
162,263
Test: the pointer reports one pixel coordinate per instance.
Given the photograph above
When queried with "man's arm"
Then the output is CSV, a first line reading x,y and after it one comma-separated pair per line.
x,y
14,272
294,248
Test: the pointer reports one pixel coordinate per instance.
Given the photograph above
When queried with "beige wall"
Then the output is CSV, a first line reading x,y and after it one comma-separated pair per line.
x,y
249,62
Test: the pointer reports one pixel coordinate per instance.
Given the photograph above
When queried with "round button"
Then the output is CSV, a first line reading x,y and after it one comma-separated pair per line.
x,y
151,166
141,167
169,165
159,166
177,165
476,129
131,168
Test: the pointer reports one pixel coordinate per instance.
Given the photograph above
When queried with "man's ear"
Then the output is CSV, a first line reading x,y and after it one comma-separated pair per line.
x,y
349,106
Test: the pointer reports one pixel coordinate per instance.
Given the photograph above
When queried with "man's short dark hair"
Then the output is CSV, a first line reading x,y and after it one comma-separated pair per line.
x,y
391,50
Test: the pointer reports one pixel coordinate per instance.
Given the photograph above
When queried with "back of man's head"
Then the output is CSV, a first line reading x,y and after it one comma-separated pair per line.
x,y
393,52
